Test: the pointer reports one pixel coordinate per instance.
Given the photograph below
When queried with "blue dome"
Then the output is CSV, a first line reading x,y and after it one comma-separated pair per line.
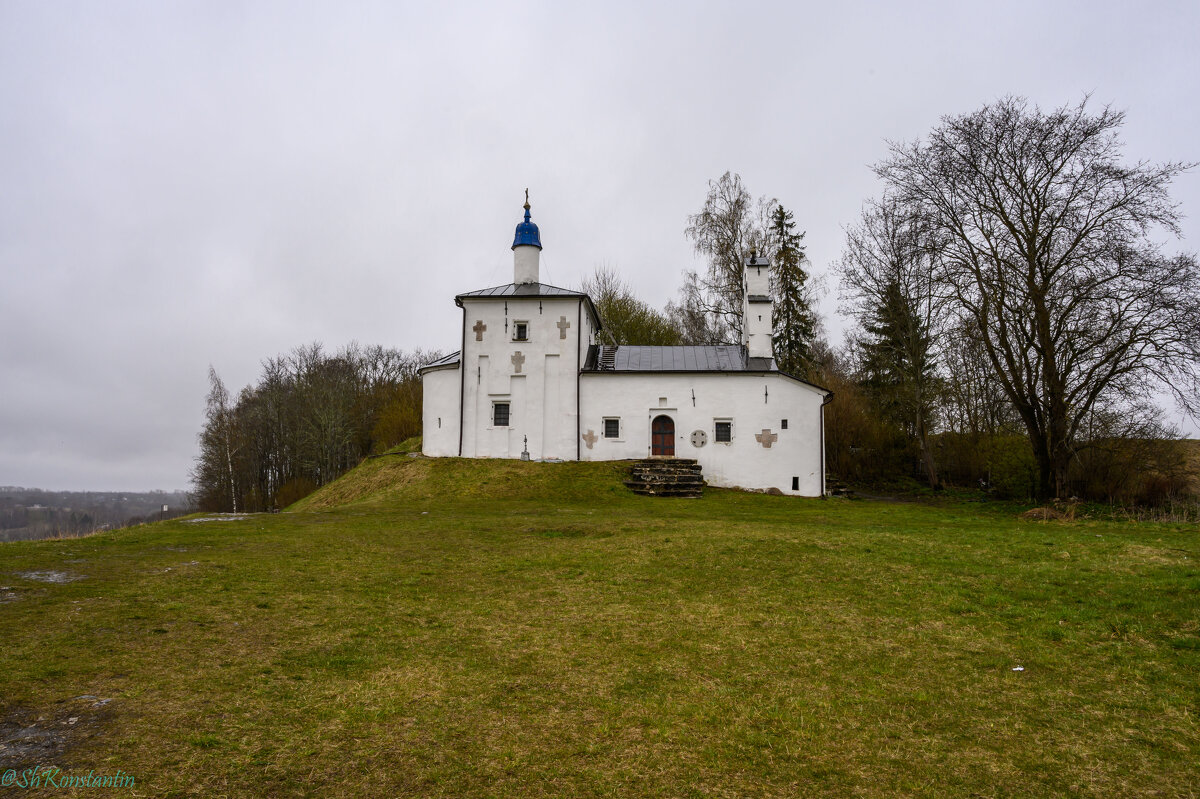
x,y
527,232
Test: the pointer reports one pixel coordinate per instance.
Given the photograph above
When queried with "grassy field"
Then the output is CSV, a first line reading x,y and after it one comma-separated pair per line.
x,y
454,628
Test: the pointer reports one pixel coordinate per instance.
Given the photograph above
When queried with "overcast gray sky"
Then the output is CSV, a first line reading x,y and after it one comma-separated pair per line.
x,y
185,184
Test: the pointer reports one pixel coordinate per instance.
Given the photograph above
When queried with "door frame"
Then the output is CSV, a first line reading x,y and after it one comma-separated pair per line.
x,y
656,414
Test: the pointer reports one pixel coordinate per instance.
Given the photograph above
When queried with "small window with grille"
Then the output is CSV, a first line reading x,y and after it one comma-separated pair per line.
x,y
500,414
612,428
723,431
520,331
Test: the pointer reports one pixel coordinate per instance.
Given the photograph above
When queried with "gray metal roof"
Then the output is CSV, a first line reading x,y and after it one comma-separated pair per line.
x,y
448,360
720,358
523,290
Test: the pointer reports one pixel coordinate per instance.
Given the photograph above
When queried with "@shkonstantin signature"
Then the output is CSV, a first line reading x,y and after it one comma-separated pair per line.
x,y
53,777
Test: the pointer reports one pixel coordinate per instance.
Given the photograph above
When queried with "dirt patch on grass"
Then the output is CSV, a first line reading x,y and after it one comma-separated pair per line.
x,y
57,577
1156,555
1042,515
31,737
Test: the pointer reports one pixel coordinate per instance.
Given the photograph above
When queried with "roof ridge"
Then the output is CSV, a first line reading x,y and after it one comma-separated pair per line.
x,y
514,285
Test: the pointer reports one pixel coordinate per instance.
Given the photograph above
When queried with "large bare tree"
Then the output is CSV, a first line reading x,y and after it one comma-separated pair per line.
x,y
1051,248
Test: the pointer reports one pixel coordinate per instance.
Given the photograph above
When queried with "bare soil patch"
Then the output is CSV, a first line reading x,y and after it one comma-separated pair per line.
x,y
30,737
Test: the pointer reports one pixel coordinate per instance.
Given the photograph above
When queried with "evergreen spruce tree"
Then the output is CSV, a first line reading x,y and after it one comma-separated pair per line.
x,y
898,370
888,285
795,322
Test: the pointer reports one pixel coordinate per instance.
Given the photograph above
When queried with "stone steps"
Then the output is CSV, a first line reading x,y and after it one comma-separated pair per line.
x,y
837,488
666,477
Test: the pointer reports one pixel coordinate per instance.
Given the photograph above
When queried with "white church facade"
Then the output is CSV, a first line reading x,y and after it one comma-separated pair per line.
x,y
530,377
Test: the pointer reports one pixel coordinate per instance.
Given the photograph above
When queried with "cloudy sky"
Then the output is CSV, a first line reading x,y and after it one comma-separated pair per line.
x,y
186,184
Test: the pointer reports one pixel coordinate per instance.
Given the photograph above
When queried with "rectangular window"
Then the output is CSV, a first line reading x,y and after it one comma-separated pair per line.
x,y
795,483
612,428
723,434
520,331
783,425
500,414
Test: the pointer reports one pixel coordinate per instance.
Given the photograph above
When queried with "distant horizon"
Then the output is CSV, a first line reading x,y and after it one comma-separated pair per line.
x,y
13,488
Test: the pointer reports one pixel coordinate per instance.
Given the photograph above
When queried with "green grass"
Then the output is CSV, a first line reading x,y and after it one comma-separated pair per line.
x,y
468,628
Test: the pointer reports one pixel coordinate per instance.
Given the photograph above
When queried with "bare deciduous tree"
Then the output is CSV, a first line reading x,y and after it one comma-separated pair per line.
x,y
1049,249
311,417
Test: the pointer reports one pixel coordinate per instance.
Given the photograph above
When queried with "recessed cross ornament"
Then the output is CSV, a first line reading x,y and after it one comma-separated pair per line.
x,y
590,438
766,438
562,325
517,360
479,328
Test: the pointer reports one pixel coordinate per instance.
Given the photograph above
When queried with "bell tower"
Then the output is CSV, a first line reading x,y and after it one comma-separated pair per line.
x,y
757,322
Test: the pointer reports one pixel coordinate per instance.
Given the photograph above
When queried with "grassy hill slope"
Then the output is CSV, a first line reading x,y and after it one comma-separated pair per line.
x,y
489,628
399,478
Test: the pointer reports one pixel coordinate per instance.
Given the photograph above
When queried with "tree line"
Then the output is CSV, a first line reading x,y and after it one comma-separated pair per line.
x,y
312,416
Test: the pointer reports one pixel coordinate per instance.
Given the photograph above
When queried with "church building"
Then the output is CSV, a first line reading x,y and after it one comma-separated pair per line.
x,y
530,380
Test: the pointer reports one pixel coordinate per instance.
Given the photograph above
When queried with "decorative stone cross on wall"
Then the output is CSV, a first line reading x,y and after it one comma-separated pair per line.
x,y
766,438
590,438
517,359
479,328
562,325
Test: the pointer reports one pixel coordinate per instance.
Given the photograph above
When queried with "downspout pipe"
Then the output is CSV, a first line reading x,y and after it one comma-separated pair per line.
x,y
578,376
462,378
828,399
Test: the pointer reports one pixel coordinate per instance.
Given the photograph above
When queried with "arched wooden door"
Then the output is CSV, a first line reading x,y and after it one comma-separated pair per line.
x,y
662,436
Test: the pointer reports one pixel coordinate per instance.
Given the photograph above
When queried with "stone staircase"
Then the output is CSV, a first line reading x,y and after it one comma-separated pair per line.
x,y
666,477
837,488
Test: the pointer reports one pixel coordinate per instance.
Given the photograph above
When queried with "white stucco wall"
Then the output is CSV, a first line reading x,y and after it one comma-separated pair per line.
x,y
753,403
526,264
542,393
439,411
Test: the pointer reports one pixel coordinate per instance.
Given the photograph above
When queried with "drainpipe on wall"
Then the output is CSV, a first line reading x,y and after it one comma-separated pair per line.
x,y
578,369
828,399
462,379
